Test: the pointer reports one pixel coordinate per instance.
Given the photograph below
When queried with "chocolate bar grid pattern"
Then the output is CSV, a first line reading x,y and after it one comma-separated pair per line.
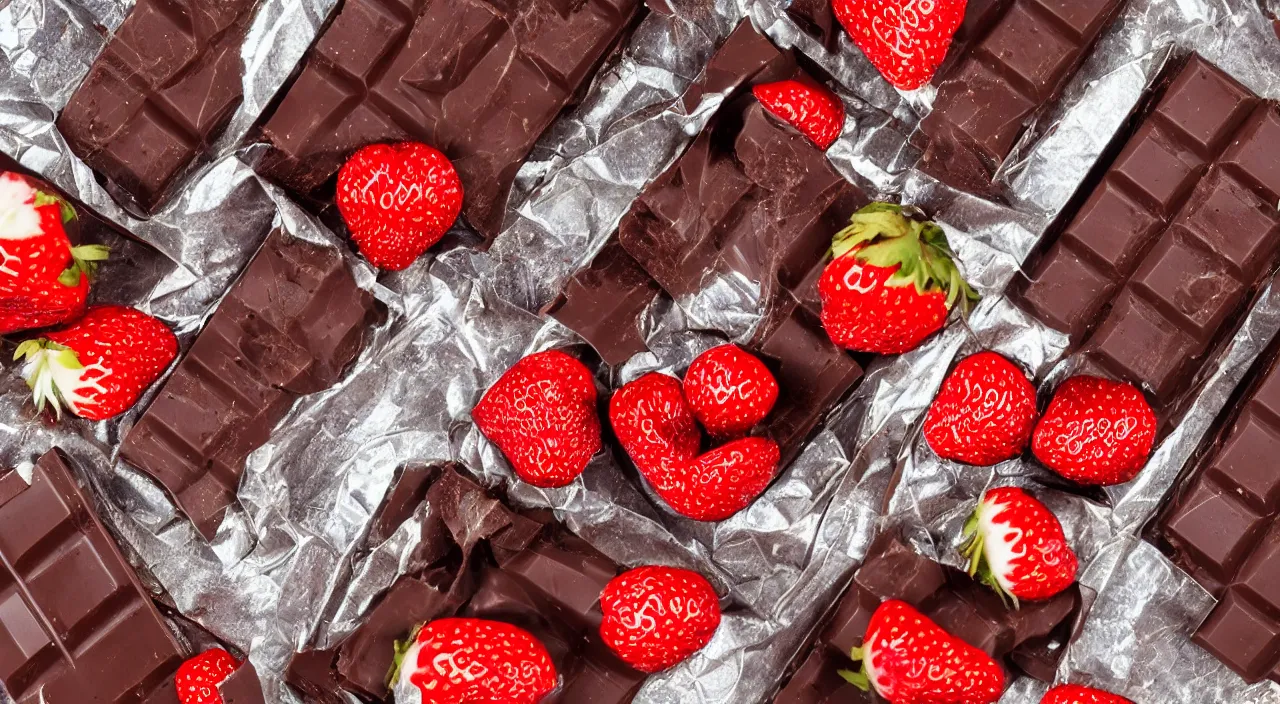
x,y
290,326
478,79
1225,531
1172,242
102,641
162,89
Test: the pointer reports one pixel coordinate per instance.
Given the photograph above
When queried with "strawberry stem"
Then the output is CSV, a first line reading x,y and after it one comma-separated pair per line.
x,y
974,550
84,261
46,363
859,677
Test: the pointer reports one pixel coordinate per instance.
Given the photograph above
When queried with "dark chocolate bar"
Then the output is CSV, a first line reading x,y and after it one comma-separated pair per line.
x,y
76,625
480,80
482,559
1163,258
961,606
290,326
242,686
750,197
159,94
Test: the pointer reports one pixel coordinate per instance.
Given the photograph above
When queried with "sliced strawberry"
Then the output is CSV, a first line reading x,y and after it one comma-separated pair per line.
x,y
729,390
656,617
812,109
1017,547
475,661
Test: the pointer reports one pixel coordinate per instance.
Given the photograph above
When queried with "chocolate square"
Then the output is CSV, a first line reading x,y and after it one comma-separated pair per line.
x,y
1113,229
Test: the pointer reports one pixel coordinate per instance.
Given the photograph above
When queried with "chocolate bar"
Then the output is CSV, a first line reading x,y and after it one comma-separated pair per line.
x,y
242,686
750,197
1223,530
159,94
480,80
961,606
481,559
76,625
289,327
1163,258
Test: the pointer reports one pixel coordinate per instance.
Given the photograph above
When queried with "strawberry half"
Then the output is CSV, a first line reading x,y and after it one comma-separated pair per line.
x,y
812,109
1096,431
655,617
890,283
908,659
198,678
398,200
542,415
1016,546
984,413
44,281
729,390
472,660
98,366
1075,694
905,40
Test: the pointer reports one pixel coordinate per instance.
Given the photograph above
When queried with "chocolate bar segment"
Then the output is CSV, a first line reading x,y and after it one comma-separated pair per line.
x,y
290,326
479,80
76,625
958,604
1160,262
159,94
242,686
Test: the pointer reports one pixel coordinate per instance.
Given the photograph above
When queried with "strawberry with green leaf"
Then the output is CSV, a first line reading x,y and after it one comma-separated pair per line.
x,y
1016,546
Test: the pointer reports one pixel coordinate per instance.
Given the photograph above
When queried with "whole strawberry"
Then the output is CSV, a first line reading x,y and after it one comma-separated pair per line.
x,y
44,281
198,678
812,109
1017,547
542,415
984,413
1096,431
474,661
655,617
98,366
723,481
729,390
908,659
1075,694
890,283
398,200
905,40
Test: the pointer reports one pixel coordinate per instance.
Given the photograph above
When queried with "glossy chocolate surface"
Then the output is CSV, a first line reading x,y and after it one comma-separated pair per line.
x,y
290,326
480,80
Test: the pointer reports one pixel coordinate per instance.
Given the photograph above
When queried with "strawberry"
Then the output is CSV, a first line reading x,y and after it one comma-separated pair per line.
x,y
654,424
99,365
890,283
905,40
198,678
723,481
475,661
812,109
1075,694
908,659
729,390
542,415
398,200
1016,546
655,617
984,412
1096,431
44,281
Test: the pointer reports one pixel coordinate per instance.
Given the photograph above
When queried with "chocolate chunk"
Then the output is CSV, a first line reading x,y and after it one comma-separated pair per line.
x,y
1172,241
159,94
242,686
76,625
604,301
405,496
313,673
479,80
290,326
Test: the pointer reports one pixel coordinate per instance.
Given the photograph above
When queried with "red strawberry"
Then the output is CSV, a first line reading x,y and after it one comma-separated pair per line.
x,y
655,617
198,678
398,200
984,412
99,365
1016,546
542,415
1075,694
654,424
729,390
812,109
474,661
891,282
905,40
908,659
1096,431
43,279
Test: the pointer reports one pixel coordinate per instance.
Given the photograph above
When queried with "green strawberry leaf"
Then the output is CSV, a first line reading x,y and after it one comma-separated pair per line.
x,y
858,678
64,207
401,650
84,261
